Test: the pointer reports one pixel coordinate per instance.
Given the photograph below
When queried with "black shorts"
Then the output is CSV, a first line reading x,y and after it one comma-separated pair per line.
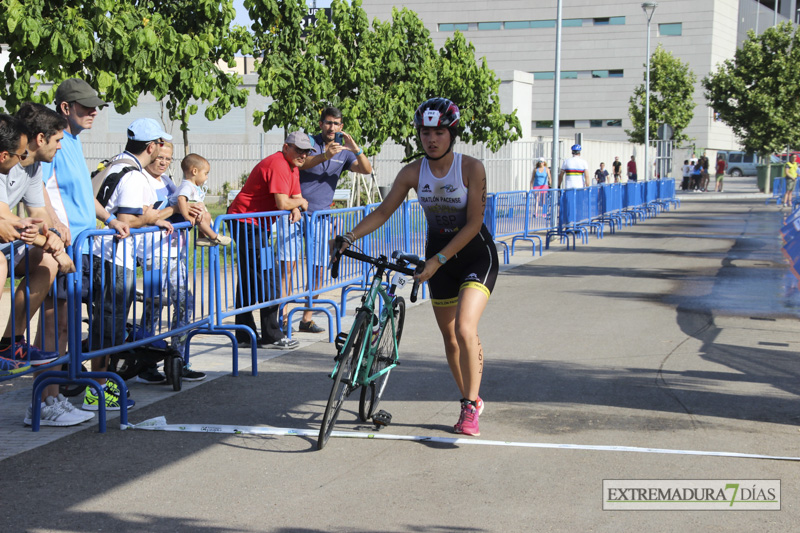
x,y
475,266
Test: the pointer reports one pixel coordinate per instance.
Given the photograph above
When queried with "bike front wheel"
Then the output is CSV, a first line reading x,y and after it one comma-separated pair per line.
x,y
344,381
385,357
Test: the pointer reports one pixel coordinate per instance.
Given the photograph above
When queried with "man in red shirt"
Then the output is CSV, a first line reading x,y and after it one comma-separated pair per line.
x,y
632,169
273,185
720,172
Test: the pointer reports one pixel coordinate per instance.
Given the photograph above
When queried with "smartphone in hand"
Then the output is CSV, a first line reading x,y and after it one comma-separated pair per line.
x,y
338,138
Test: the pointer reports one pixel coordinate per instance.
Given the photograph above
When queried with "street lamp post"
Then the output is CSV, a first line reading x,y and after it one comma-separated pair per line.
x,y
649,8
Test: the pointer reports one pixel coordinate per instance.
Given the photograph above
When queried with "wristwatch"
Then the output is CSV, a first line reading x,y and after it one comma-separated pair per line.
x,y
442,258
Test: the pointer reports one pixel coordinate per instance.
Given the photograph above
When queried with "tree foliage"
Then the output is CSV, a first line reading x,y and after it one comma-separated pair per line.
x,y
671,98
757,93
124,48
377,75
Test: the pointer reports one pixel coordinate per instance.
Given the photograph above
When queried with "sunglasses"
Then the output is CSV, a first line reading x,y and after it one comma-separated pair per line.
x,y
22,157
301,151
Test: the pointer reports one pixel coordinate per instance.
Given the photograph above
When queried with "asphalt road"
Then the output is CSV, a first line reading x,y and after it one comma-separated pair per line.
x,y
680,332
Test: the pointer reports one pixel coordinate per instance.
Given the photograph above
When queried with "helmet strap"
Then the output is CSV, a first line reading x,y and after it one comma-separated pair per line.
x,y
449,148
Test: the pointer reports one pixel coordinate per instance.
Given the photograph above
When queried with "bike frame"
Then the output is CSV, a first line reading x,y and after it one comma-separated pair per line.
x,y
366,354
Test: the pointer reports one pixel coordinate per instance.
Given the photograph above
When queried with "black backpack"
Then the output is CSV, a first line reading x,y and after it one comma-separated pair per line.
x,y
104,181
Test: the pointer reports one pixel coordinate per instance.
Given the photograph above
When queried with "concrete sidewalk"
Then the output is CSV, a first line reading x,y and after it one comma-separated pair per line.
x,y
680,332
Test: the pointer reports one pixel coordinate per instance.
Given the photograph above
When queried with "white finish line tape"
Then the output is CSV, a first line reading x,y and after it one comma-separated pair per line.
x,y
160,424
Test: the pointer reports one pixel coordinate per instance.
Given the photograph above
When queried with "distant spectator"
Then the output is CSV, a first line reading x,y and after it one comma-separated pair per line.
x,y
601,174
790,173
687,175
617,168
720,172
632,176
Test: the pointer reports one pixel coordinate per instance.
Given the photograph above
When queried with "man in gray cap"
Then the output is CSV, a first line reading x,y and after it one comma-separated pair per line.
x,y
273,185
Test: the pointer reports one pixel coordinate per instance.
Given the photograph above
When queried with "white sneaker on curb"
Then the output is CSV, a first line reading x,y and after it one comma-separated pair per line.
x,y
87,415
53,414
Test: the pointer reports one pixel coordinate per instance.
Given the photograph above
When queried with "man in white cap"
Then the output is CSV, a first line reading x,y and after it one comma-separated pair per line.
x,y
273,185
130,200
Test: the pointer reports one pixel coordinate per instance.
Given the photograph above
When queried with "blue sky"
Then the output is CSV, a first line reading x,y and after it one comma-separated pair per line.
x,y
244,20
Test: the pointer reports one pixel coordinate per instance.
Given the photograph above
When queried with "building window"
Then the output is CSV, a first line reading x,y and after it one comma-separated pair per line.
x,y
670,29
604,21
616,21
599,73
616,123
490,25
567,23
615,73
544,75
543,23
566,123
569,74
544,124
595,123
518,24
453,27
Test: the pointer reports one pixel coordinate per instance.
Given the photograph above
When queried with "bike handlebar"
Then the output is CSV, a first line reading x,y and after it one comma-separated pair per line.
x,y
381,261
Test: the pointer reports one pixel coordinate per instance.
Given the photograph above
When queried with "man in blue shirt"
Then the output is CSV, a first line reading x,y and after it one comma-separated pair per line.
x,y
318,179
69,194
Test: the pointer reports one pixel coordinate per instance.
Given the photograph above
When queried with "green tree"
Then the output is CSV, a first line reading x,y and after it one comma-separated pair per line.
x,y
757,93
671,98
124,48
376,75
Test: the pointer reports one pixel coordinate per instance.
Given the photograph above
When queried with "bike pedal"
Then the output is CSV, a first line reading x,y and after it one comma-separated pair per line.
x,y
381,418
341,338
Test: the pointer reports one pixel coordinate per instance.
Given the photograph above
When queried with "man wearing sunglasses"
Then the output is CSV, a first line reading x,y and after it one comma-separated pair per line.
x,y
273,185
130,200
18,184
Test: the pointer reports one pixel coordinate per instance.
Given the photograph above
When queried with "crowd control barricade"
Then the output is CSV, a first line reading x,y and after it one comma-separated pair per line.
x,y
610,198
594,208
142,290
490,221
37,324
778,191
666,193
322,227
633,200
265,266
512,210
651,202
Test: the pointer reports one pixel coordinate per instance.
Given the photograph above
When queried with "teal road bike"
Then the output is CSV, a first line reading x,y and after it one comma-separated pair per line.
x,y
366,355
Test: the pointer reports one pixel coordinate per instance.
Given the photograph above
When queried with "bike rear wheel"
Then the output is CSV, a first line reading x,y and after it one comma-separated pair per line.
x,y
344,380
385,356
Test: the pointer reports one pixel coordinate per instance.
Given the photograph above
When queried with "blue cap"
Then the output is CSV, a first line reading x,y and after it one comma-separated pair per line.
x,y
147,129
576,147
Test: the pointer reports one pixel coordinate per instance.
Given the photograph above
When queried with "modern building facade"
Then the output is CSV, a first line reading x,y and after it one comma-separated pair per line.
x,y
603,51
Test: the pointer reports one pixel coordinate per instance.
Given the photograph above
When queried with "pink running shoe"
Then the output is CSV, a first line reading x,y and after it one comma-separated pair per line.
x,y
457,427
479,401
469,420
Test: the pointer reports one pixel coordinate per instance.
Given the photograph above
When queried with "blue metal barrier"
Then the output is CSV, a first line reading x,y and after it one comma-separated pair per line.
x,y
512,213
778,191
117,321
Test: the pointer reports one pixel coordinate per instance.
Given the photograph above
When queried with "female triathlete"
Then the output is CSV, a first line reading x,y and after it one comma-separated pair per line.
x,y
461,259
